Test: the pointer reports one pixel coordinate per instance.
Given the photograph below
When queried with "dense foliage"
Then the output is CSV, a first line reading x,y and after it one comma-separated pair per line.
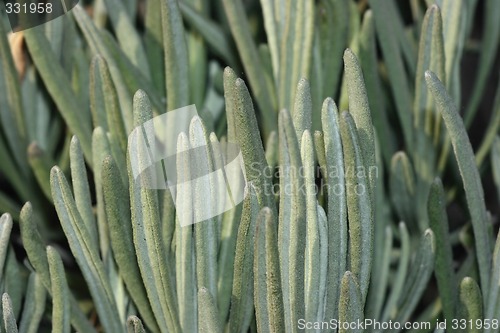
x,y
364,195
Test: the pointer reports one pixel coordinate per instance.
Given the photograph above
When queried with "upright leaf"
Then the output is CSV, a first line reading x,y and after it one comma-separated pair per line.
x,y
489,47
243,291
34,305
336,204
35,250
469,173
267,279
209,318
350,304
359,205
242,123
261,85
292,218
117,203
59,87
151,254
445,276
86,255
359,108
5,230
471,305
9,318
176,56
60,292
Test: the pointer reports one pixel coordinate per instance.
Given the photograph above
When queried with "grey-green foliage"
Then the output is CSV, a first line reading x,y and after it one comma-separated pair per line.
x,y
320,235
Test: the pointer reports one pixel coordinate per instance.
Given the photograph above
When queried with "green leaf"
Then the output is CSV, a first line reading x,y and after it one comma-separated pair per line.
x,y
5,230
469,173
86,255
273,34
350,303
319,148
243,291
385,20
471,305
176,56
376,101
7,204
267,278
418,276
54,31
41,128
40,163
127,35
438,221
11,170
316,78
359,108
205,198
134,325
211,32
302,109
9,318
359,205
491,131
336,205
151,257
455,34
80,78
242,123
262,87
185,249
292,220
208,316
272,153
153,44
391,305
431,56
12,116
126,77
104,103
315,265
492,308
35,250
489,48
230,98
323,264
59,87
14,281
229,229
495,161
198,68
402,186
81,189
378,288
227,246
100,149
151,253
333,32
117,203
60,292
34,305
296,49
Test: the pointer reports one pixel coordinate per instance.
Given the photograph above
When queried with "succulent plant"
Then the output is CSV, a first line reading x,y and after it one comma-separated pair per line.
x,y
364,199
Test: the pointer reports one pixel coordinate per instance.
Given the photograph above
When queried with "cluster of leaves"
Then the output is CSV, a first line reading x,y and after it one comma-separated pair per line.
x,y
277,257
